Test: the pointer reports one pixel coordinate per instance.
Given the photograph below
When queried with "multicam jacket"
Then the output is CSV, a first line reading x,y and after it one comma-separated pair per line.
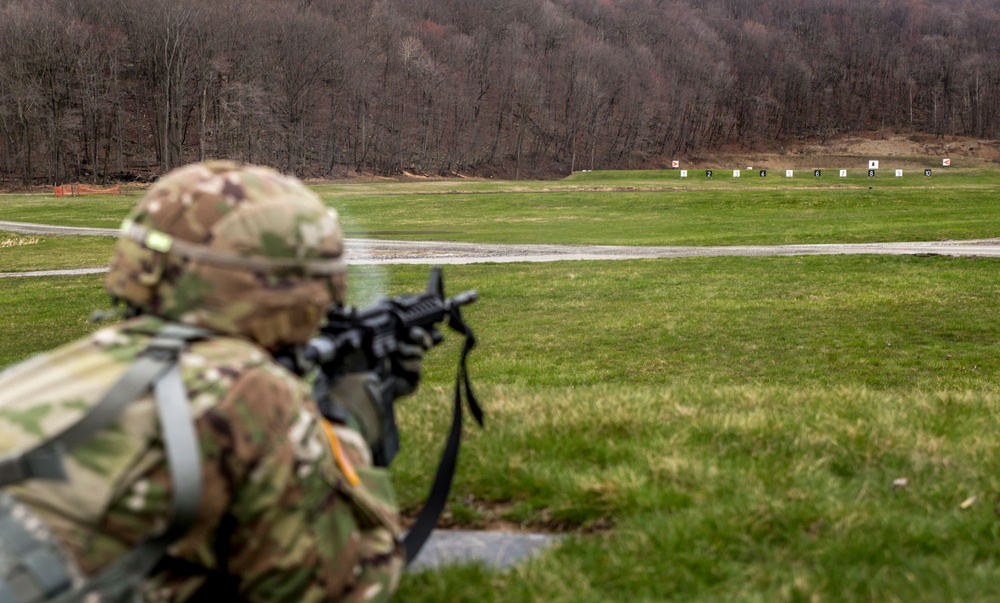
x,y
291,509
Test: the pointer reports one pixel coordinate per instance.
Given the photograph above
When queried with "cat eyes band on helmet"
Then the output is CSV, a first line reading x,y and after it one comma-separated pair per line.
x,y
164,243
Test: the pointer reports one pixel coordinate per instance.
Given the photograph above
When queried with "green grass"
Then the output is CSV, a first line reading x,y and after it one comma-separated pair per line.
x,y
40,313
730,431
630,208
699,429
98,211
659,208
22,253
702,217
881,322
735,494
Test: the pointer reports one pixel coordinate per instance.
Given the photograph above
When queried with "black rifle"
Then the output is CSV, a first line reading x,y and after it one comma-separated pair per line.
x,y
353,340
365,340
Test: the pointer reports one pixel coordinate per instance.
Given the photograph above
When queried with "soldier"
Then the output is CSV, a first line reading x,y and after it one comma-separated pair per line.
x,y
219,265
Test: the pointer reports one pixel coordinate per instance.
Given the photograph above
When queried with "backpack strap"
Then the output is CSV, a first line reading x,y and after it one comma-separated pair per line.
x,y
45,461
157,368
32,566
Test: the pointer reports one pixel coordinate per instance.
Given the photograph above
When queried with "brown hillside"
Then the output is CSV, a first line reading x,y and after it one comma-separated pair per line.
x,y
904,151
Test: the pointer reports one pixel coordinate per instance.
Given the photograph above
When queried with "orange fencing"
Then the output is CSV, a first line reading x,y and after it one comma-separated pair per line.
x,y
73,190
86,190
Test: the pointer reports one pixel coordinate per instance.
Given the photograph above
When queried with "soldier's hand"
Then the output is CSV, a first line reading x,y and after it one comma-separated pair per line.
x,y
357,395
408,361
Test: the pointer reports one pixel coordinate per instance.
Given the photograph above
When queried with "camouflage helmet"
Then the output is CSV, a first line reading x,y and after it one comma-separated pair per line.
x,y
240,250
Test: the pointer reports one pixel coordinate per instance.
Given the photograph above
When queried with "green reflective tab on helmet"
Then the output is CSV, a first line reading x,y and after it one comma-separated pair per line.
x,y
158,241
152,239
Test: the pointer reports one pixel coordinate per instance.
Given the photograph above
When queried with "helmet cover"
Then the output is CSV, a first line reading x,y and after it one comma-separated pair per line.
x,y
240,250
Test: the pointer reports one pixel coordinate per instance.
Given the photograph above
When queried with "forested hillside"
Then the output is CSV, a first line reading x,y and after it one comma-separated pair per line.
x,y
96,90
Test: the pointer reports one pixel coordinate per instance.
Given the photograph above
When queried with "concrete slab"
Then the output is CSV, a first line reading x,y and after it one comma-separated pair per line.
x,y
497,550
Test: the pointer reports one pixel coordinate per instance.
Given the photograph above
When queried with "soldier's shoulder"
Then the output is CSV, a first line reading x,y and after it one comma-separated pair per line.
x,y
224,366
230,351
75,371
215,350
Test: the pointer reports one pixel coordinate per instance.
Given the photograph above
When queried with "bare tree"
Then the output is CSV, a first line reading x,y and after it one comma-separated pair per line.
x,y
520,88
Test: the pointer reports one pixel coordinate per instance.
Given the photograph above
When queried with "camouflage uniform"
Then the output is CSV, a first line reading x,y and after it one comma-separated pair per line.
x,y
291,508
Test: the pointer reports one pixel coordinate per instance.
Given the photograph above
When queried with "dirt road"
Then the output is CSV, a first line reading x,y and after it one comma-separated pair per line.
x,y
371,251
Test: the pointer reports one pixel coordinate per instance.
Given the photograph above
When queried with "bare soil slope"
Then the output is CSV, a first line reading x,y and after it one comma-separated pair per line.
x,y
905,150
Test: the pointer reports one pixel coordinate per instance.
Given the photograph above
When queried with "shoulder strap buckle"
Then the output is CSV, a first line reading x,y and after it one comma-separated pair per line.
x,y
43,462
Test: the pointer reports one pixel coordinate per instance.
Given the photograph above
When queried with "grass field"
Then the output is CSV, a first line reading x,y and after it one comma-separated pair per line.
x,y
701,429
629,208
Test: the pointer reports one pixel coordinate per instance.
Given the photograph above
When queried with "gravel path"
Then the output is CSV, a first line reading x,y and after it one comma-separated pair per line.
x,y
365,251
371,251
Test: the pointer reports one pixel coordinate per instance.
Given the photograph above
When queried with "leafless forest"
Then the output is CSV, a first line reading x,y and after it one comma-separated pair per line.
x,y
103,90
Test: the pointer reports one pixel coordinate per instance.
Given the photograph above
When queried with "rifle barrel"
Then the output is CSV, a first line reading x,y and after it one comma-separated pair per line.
x,y
466,297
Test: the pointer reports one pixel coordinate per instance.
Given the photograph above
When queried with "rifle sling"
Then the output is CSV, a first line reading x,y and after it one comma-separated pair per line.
x,y
438,497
